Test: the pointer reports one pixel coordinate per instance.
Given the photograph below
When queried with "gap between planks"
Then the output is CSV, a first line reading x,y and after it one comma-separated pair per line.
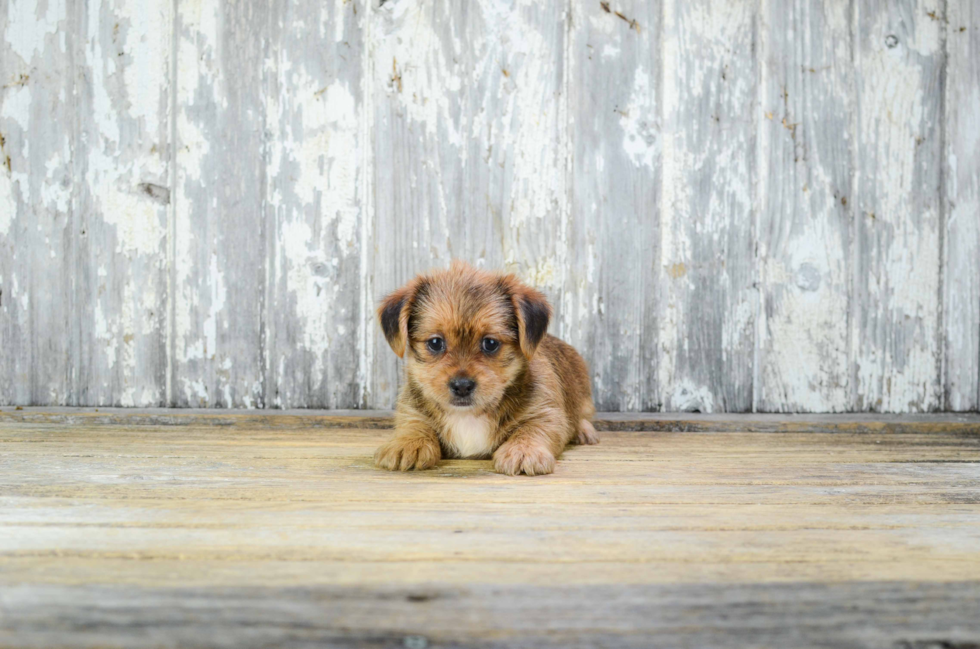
x,y
967,423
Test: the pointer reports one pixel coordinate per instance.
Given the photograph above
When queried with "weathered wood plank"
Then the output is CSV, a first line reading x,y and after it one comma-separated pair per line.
x,y
610,286
316,168
961,194
707,265
218,262
805,173
858,502
36,175
468,158
122,176
895,320
883,614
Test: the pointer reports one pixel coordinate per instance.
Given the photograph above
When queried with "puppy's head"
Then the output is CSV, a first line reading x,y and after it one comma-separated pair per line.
x,y
466,334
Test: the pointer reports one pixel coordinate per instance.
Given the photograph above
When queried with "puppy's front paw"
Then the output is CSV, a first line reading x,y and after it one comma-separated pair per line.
x,y
407,453
586,433
514,458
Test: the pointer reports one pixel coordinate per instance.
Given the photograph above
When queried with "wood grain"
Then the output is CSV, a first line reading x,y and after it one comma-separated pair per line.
x,y
36,202
609,303
207,535
709,303
895,319
122,174
806,170
316,164
961,193
219,232
880,614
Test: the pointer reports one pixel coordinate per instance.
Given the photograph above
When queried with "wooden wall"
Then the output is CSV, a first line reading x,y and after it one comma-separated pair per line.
x,y
767,205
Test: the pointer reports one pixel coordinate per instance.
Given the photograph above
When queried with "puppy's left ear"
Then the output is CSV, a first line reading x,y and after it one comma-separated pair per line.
x,y
533,313
393,316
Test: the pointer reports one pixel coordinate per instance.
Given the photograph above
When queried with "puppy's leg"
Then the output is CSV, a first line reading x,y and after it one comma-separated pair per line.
x,y
586,433
532,448
414,446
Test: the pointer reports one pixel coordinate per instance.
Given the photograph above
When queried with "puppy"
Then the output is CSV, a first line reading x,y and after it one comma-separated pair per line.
x,y
483,379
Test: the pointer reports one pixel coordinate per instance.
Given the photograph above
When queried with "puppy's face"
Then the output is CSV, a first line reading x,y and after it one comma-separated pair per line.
x,y
466,335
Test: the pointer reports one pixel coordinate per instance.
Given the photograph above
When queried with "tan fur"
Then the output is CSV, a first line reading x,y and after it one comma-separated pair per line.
x,y
532,396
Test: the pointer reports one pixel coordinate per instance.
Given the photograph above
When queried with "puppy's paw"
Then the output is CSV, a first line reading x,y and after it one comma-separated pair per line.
x,y
407,453
514,458
586,433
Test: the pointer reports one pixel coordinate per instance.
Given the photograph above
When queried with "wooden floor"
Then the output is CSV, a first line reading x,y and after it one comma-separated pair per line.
x,y
162,529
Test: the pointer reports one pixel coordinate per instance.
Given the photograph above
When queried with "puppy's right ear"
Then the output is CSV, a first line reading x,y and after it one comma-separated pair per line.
x,y
393,315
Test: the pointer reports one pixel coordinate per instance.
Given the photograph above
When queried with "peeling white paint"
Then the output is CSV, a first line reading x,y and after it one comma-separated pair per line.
x,y
543,274
195,392
313,294
802,359
195,324
16,106
55,194
122,149
706,202
689,397
147,46
424,87
194,148
104,336
216,282
28,28
139,228
326,153
8,202
536,190
961,297
897,365
641,140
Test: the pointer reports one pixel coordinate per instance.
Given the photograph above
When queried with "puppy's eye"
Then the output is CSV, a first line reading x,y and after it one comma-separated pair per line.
x,y
436,345
489,345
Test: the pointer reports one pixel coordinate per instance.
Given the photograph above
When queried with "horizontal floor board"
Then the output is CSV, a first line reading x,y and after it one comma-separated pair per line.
x,y
795,614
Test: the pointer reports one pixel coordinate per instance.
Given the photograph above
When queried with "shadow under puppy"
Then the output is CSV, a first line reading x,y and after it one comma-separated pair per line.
x,y
482,377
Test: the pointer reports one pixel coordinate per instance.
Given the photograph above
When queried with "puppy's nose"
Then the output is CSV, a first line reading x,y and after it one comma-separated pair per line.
x,y
462,387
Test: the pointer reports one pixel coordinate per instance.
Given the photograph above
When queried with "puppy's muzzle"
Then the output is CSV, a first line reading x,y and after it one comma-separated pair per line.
x,y
462,387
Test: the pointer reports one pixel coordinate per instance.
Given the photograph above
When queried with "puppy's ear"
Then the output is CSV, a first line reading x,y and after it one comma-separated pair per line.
x,y
393,316
533,313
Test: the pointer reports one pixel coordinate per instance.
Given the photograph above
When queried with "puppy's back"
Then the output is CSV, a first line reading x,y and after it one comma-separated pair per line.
x,y
572,375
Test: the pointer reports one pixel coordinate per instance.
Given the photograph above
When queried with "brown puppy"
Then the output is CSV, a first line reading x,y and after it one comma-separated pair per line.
x,y
482,377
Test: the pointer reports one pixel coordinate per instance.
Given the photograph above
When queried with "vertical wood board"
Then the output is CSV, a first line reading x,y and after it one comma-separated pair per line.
x,y
610,296
895,318
708,303
961,207
123,60
316,164
806,167
219,255
36,201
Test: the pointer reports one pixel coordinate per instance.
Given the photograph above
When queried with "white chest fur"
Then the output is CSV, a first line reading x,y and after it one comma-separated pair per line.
x,y
469,435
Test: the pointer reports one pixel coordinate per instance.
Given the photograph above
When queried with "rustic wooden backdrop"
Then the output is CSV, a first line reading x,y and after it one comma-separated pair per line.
x,y
768,205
